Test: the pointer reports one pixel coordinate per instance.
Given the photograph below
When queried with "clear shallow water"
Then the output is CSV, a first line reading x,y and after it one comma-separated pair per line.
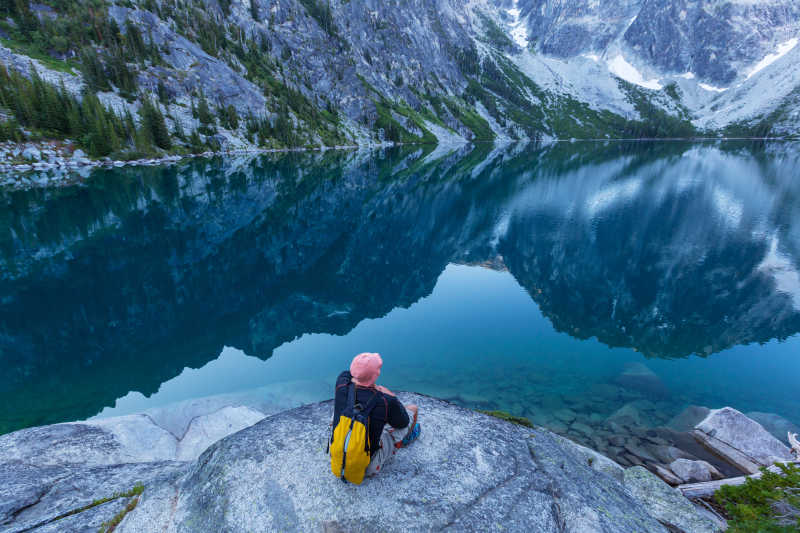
x,y
523,279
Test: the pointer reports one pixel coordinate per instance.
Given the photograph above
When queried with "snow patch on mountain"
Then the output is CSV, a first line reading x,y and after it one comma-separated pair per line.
x,y
444,136
754,97
782,50
620,67
587,79
711,88
519,31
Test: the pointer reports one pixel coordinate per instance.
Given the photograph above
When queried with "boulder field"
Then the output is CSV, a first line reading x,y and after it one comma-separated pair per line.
x,y
467,472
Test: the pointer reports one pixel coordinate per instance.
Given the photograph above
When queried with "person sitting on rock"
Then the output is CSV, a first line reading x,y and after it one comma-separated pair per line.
x,y
391,424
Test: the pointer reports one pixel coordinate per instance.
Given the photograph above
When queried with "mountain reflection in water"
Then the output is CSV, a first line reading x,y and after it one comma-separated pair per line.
x,y
671,249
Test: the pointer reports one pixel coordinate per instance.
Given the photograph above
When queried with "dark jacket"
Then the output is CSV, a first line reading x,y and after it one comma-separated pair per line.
x,y
388,409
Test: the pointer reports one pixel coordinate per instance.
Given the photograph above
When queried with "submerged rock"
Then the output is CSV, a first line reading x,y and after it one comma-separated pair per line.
x,y
639,377
775,424
630,415
687,419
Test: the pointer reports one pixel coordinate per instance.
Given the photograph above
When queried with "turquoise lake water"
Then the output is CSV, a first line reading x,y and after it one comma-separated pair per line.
x,y
527,279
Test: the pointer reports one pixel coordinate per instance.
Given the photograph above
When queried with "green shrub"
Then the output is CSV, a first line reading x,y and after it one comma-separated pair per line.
x,y
749,507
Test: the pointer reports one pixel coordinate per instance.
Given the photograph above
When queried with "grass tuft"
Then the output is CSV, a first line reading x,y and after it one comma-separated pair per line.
x,y
108,527
508,417
136,491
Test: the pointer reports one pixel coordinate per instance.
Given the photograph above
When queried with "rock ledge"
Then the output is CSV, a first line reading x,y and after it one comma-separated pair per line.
x,y
468,472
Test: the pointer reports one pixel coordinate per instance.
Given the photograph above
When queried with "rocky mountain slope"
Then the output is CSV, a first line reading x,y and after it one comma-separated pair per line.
x,y
313,72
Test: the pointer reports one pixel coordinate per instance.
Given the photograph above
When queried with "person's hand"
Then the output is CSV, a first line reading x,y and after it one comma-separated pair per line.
x,y
384,390
413,408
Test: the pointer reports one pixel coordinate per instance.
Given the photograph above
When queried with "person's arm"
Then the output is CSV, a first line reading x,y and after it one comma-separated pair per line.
x,y
398,417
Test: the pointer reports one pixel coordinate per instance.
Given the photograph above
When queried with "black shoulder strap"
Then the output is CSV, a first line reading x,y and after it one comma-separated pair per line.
x,y
371,403
351,396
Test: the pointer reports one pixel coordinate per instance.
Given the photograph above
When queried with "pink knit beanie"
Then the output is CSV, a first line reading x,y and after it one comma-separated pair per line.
x,y
365,368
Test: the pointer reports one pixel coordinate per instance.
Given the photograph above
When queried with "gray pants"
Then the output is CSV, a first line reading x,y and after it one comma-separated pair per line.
x,y
387,450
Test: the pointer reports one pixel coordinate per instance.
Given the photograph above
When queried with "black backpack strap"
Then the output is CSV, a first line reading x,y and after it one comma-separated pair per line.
x,y
350,390
371,403
351,396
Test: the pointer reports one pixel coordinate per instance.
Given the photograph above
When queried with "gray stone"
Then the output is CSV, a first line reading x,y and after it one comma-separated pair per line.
x,y
627,416
777,425
617,440
666,504
688,418
36,496
209,428
636,448
788,515
468,472
88,521
666,474
557,426
124,439
596,460
639,377
565,415
694,471
668,454
745,435
31,153
78,154
582,429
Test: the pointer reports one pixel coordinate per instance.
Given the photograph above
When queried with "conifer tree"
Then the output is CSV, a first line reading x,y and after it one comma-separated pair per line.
x,y
196,143
153,122
204,114
93,71
163,94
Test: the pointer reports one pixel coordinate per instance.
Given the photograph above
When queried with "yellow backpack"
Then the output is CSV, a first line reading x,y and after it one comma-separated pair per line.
x,y
349,446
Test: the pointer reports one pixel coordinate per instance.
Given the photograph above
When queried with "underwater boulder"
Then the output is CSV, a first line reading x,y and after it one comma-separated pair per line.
x,y
638,377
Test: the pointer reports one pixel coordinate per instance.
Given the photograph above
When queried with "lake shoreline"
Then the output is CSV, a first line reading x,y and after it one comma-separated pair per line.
x,y
69,163
139,450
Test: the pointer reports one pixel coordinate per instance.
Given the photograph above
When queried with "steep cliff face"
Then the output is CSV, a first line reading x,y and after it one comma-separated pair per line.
x,y
717,41
300,72
714,54
567,29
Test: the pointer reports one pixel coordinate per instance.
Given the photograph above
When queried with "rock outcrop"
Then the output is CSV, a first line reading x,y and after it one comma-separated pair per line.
x,y
468,472
740,440
667,505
